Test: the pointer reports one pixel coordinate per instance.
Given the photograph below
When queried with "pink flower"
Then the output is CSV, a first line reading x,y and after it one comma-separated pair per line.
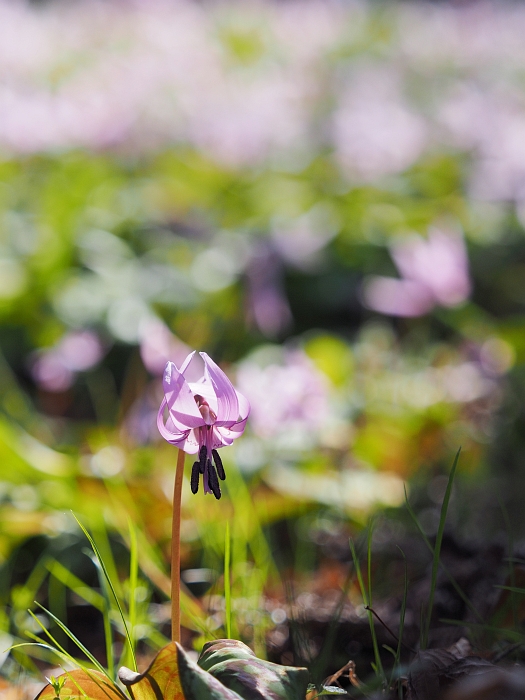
x,y
202,417
434,272
77,351
157,343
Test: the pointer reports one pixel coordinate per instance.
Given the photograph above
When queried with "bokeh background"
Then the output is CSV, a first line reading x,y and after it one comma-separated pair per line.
x,y
328,198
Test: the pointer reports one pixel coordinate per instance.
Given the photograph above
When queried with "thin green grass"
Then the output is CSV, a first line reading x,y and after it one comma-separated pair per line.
x,y
251,564
512,572
132,592
367,601
512,589
71,636
445,570
506,633
152,562
106,615
54,651
402,615
57,650
109,582
437,551
103,603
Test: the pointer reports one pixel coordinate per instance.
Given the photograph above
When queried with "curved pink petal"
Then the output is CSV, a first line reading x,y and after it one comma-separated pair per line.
x,y
190,444
169,435
232,431
185,440
186,362
244,412
205,389
220,439
244,406
179,398
227,402
230,434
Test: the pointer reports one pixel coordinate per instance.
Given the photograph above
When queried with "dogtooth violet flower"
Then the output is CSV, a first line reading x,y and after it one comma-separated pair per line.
x,y
202,417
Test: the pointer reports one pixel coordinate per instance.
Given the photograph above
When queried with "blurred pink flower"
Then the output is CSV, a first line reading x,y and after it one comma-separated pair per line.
x,y
202,417
268,307
375,131
78,351
157,344
434,273
302,391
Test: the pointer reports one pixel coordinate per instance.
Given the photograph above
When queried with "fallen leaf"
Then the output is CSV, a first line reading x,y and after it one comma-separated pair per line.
x,y
160,680
85,685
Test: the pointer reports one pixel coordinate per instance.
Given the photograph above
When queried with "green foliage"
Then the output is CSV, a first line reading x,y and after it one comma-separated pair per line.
x,y
437,551
240,674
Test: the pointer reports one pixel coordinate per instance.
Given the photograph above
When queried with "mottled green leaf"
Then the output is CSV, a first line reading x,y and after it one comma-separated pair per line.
x,y
198,684
235,665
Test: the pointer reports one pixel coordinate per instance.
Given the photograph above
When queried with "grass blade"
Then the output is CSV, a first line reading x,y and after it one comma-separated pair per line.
x,y
369,559
43,645
106,613
512,570
445,570
73,638
511,635
512,589
133,584
112,588
402,614
48,634
378,666
437,550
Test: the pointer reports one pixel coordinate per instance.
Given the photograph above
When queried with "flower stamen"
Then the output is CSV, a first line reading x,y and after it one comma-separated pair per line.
x,y
207,414
213,482
195,473
218,464
203,454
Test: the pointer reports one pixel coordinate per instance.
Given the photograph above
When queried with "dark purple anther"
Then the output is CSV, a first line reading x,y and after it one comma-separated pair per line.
x,y
218,464
195,472
213,482
203,453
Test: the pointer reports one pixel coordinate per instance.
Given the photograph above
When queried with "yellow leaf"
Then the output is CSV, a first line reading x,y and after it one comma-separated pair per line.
x,y
85,685
161,678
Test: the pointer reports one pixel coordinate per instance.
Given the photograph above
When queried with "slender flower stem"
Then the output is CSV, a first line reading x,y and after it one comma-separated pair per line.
x,y
175,550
